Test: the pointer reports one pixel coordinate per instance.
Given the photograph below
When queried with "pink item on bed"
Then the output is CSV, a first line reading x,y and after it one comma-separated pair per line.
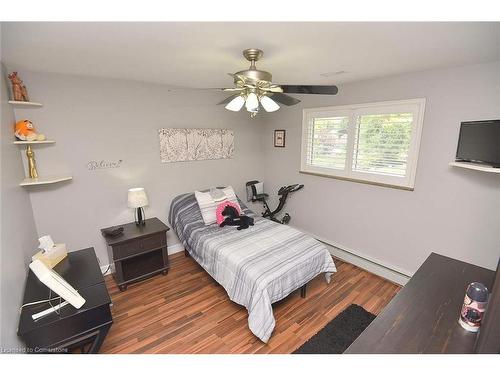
x,y
220,208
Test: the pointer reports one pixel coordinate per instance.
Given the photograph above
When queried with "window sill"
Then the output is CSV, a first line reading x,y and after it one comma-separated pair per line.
x,y
359,181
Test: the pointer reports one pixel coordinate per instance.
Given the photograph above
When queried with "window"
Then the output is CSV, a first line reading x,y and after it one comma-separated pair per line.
x,y
375,143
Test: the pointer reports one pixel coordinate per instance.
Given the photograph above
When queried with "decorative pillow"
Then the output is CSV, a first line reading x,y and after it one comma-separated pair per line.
x,y
208,205
218,195
222,206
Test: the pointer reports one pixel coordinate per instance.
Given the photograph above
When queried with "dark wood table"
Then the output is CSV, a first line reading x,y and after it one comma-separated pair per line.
x,y
139,252
72,327
423,317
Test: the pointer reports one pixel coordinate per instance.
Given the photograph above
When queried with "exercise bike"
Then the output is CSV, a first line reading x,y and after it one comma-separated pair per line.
x,y
255,193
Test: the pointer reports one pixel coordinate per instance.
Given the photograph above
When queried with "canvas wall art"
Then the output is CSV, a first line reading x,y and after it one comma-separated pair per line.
x,y
195,144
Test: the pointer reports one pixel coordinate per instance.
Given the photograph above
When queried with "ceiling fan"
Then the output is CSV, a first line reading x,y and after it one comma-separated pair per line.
x,y
254,89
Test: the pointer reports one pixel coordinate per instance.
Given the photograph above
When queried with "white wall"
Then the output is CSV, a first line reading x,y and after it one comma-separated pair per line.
x,y
18,232
105,119
452,211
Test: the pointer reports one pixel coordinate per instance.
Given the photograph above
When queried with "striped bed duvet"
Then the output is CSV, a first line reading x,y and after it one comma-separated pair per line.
x,y
256,266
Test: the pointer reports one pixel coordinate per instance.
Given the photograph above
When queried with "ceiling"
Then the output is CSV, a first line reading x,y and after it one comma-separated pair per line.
x,y
200,54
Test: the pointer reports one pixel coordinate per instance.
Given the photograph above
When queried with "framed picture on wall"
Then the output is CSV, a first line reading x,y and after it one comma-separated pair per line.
x,y
279,138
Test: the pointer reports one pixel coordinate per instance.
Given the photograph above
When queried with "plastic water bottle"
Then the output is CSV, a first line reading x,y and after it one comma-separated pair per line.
x,y
475,301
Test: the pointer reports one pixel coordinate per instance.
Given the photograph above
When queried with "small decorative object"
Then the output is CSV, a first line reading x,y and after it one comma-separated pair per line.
x,y
279,138
30,154
112,232
25,131
475,301
103,164
221,206
50,253
19,92
233,217
195,144
138,199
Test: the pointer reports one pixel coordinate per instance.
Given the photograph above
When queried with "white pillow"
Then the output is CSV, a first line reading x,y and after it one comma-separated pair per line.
x,y
208,205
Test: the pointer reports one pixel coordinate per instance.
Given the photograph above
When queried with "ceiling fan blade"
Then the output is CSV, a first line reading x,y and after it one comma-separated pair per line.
x,y
272,89
310,89
283,98
234,89
228,99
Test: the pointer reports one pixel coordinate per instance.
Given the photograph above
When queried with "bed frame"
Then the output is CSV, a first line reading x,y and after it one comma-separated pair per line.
x,y
303,288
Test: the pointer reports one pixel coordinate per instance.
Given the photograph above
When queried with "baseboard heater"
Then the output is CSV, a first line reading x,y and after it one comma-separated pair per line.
x,y
391,274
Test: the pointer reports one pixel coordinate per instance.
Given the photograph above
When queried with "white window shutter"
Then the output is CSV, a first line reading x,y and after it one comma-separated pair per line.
x,y
374,142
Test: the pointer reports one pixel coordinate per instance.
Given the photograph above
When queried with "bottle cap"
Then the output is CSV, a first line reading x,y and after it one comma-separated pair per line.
x,y
477,292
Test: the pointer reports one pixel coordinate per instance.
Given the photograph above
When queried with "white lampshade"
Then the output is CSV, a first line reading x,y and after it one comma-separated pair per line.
x,y
236,104
269,104
137,198
252,103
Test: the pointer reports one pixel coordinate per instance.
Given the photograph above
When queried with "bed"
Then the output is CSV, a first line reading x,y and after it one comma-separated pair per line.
x,y
256,266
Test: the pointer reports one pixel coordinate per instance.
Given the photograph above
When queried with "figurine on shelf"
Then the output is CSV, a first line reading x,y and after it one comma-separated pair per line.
x,y
25,131
19,92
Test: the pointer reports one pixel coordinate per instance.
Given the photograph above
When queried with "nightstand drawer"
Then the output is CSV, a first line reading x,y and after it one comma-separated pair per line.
x,y
139,246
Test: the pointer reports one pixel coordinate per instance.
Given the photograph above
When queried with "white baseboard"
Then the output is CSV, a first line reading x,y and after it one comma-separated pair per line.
x,y
176,248
172,249
370,265
365,262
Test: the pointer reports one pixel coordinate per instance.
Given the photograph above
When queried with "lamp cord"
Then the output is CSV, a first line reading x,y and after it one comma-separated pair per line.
x,y
107,269
37,302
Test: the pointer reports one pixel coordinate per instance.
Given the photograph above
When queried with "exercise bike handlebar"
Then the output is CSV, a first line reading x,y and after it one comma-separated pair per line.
x,y
290,189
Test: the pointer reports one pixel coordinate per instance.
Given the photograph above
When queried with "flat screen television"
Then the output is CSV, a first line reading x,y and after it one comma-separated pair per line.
x,y
479,142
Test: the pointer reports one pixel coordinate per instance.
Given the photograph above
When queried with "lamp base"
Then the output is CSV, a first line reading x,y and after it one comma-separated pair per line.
x,y
140,218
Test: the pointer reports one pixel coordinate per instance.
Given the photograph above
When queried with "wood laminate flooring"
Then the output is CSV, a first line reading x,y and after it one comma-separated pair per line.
x,y
186,311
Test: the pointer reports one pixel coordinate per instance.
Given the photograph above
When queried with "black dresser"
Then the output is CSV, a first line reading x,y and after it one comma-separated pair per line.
x,y
72,328
423,317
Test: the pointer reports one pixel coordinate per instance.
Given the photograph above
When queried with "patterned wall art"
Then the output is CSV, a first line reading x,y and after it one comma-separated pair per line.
x,y
195,144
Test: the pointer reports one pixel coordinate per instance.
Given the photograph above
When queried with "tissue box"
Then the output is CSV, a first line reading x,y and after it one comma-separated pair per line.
x,y
50,258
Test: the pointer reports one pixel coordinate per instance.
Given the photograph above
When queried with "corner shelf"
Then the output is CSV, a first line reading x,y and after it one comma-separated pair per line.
x,y
33,142
477,167
25,104
44,180
39,180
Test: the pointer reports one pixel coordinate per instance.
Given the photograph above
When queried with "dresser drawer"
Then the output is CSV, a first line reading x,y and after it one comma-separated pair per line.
x,y
139,246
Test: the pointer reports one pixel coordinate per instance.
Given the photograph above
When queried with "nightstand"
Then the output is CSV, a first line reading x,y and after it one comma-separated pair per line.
x,y
139,252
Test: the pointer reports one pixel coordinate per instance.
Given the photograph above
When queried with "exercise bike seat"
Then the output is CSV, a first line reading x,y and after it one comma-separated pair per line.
x,y
260,197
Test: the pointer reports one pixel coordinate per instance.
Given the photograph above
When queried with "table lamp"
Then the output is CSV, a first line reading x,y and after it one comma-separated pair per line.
x,y
138,199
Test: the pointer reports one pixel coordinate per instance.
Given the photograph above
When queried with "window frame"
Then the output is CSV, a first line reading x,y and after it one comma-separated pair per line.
x,y
415,106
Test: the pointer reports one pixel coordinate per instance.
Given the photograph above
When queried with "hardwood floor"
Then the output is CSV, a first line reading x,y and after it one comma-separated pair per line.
x,y
188,312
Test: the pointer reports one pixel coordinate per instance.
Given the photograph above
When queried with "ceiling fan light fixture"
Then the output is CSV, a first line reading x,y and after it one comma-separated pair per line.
x,y
236,104
254,88
252,102
269,104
